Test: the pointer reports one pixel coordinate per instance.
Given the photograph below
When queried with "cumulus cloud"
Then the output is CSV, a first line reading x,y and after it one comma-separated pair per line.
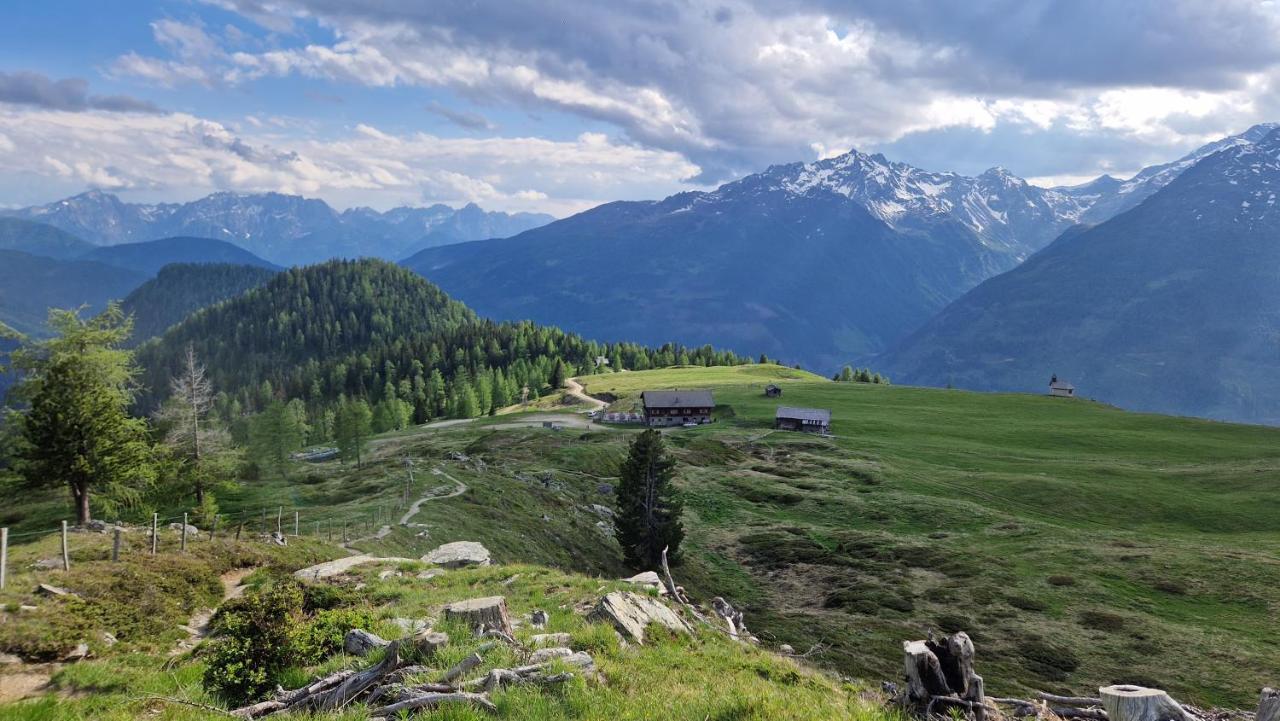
x,y
34,89
733,85
461,118
366,166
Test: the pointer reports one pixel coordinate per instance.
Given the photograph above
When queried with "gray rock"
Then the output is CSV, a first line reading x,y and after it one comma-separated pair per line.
x,y
430,573
538,618
109,639
46,589
360,642
340,566
602,511
648,579
459,554
410,626
630,613
543,640
79,653
787,649
543,655
47,564
8,659
605,489
191,530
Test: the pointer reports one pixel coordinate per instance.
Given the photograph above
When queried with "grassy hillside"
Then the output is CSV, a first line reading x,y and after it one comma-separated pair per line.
x,y
1077,543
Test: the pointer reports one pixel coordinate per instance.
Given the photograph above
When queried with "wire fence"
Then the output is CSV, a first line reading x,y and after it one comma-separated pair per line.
x,y
277,523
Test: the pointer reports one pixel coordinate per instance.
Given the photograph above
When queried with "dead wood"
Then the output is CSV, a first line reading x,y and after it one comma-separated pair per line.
x,y
1083,701
436,700
461,668
356,684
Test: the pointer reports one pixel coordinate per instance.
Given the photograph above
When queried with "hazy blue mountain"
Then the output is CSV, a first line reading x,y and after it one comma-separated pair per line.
x,y
40,239
181,289
285,229
31,284
150,256
803,275
1173,306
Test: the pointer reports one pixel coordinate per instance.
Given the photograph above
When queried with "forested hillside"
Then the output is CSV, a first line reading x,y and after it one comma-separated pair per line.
x,y
40,239
181,289
373,331
152,255
31,284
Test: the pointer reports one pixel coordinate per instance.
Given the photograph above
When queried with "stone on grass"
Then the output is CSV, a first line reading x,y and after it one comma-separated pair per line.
x,y
359,642
545,640
192,531
46,589
648,579
79,653
459,554
538,619
543,655
410,626
342,565
630,613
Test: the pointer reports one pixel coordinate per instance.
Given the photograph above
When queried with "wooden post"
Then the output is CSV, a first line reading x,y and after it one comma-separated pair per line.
x,y
344,533
155,531
183,547
239,530
280,521
330,530
4,555
295,523
213,528
115,546
66,557
317,529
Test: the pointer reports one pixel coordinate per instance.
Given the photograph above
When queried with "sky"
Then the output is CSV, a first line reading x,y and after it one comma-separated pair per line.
x,y
554,106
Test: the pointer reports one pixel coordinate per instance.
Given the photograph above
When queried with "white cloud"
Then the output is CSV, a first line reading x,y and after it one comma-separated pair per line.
x,y
366,166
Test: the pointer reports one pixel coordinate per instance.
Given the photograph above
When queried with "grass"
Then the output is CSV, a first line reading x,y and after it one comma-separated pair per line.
x,y
1078,544
671,677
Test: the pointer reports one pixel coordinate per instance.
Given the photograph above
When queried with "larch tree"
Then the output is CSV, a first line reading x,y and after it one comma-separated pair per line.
x,y
273,435
202,449
352,426
649,506
77,431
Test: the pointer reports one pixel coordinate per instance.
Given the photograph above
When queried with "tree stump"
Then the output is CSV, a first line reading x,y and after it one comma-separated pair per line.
x,y
1269,705
482,613
360,642
941,671
1136,703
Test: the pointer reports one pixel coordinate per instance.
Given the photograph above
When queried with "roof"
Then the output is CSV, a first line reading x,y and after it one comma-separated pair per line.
x,y
804,414
677,399
1061,386
772,387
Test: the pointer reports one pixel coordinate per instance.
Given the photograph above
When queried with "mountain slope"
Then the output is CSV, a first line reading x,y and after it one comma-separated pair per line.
x,y
286,229
31,284
181,289
40,239
152,255
1173,306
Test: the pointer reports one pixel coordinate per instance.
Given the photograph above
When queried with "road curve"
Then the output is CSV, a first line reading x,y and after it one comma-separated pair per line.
x,y
574,388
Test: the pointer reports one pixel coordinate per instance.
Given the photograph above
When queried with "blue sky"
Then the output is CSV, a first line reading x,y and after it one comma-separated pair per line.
x,y
557,106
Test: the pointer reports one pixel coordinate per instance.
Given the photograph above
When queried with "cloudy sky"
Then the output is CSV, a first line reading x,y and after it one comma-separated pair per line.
x,y
557,106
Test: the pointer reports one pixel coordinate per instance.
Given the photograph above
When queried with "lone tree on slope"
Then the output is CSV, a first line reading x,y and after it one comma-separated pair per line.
x,y
649,508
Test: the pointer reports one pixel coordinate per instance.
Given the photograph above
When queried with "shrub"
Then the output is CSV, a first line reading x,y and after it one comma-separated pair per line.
x,y
254,644
1062,580
1027,604
324,633
325,597
1101,620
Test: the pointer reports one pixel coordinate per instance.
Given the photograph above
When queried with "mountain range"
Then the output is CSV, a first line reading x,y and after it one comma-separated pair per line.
x,y
285,229
821,263
1172,306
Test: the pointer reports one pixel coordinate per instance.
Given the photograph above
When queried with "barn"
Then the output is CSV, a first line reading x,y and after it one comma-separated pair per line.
x,y
772,391
805,420
677,408
1060,388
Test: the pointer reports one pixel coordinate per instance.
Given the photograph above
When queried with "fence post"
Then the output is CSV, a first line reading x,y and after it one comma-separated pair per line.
x,y
4,555
280,521
295,523
115,546
265,527
239,528
66,557
155,531
213,530
317,529
184,533
330,530
344,532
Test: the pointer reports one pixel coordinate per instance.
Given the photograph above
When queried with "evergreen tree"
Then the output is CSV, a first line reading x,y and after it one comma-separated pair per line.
x,y
352,427
649,508
273,435
558,374
201,449
846,375
77,430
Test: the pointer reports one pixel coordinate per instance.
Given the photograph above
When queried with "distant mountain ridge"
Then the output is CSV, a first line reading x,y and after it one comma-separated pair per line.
x,y
1172,306
152,255
180,289
285,229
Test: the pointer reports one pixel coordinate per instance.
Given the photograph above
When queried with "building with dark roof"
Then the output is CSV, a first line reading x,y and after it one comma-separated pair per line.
x,y
676,408
1061,389
772,391
805,420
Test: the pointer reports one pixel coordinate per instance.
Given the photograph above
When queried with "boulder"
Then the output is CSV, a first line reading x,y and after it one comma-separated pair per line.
x,y
340,566
602,511
459,554
485,613
79,653
46,589
648,579
8,659
543,655
545,640
787,648
192,531
360,642
630,613
410,626
430,573
48,564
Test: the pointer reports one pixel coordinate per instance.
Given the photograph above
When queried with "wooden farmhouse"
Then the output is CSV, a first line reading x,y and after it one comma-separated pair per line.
x,y
1061,389
772,391
805,420
677,408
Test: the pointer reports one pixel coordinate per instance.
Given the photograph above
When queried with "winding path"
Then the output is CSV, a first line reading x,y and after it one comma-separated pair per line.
x,y
413,510
574,388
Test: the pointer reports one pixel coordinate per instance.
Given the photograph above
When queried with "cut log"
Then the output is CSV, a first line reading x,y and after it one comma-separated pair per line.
x,y
482,613
1136,703
436,700
359,642
941,671
258,709
1081,701
461,668
923,672
427,643
1269,705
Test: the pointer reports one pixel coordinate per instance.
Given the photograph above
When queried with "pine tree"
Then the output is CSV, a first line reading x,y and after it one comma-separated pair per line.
x,y
352,427
649,508
558,374
77,430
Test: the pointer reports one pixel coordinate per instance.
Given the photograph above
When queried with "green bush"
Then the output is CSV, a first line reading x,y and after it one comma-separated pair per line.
x,y
323,634
254,644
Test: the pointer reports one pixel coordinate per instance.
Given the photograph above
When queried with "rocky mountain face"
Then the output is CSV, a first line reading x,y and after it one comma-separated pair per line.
x,y
284,229
1172,306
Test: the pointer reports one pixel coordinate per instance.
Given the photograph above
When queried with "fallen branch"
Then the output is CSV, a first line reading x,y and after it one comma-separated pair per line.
x,y
436,700
193,704
461,668
358,683
1069,700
